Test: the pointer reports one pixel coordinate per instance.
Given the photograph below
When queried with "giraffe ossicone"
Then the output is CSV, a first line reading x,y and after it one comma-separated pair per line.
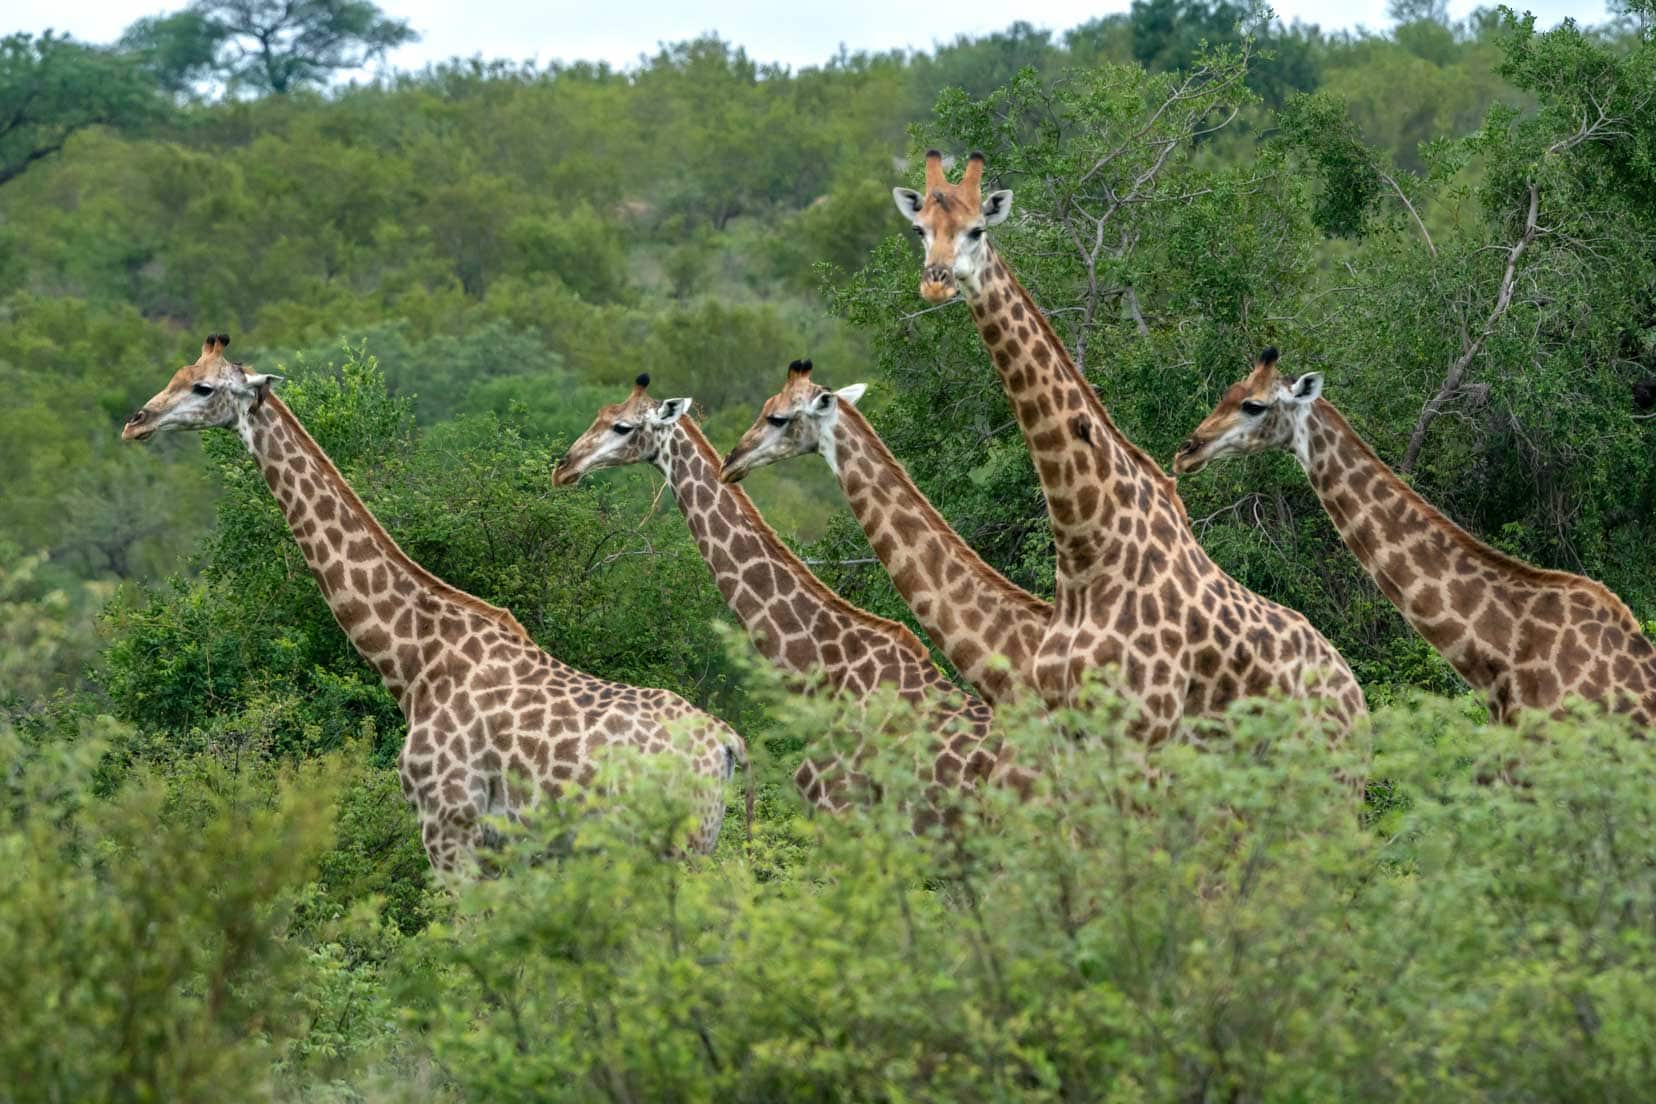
x,y
487,708
794,619
1526,637
988,627
1135,591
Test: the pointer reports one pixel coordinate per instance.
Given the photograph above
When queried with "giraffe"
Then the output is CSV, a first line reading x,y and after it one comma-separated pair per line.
x,y
1526,637
484,703
1134,588
988,627
793,618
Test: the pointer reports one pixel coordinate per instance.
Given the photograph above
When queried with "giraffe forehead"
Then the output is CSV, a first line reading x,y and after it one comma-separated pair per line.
x,y
1235,395
187,374
1261,385
798,393
191,374
633,409
948,207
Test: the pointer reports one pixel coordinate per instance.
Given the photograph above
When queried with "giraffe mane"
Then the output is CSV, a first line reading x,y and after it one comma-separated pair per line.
x,y
1158,478
352,500
1476,548
974,562
806,578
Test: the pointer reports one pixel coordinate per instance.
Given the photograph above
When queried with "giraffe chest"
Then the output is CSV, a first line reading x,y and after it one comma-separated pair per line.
x,y
1125,636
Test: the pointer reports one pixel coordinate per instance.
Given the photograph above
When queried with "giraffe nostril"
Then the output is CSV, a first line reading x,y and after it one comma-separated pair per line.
x,y
137,416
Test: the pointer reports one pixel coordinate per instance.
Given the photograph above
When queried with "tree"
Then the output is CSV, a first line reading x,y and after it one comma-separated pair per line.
x,y
272,46
178,51
1419,11
52,86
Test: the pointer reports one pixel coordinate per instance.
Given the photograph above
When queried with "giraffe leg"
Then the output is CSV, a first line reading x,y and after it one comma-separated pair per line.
x,y
452,837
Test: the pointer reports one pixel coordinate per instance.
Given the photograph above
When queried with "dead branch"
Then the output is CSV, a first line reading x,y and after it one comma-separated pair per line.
x,y
1473,345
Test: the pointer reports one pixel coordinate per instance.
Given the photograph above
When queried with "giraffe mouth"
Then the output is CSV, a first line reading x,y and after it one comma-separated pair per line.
x,y
1189,459
139,427
735,467
565,474
938,291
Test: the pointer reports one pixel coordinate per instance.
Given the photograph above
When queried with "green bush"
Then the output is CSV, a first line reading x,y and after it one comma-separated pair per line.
x,y
1244,931
144,950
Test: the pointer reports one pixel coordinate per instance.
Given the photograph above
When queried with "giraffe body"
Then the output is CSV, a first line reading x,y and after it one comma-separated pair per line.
x,y
1527,637
989,628
485,705
1135,591
794,619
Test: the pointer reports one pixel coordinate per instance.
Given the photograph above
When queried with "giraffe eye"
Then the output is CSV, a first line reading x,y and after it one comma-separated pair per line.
x,y
919,231
975,233
621,428
203,389
777,420
1254,409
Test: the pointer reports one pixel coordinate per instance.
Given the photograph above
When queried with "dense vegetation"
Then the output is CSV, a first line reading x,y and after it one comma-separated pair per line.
x,y
212,887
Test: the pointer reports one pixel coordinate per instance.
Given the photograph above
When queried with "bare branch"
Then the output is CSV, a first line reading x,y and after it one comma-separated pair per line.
x,y
1419,225
1473,346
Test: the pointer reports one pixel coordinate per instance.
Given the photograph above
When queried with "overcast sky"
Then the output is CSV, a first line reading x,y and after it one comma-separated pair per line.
x,y
771,30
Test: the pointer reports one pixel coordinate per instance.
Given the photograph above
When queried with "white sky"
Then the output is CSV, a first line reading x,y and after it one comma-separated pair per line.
x,y
771,30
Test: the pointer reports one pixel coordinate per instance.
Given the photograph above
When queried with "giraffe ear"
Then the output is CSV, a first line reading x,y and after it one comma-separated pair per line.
x,y
851,394
668,411
996,206
260,383
908,201
1307,388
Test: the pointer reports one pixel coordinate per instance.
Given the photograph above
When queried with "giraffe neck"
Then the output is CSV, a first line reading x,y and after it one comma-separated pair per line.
x,y
787,611
972,611
1100,488
394,612
1447,584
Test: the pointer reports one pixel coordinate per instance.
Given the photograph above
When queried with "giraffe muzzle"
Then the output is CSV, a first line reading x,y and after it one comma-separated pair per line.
x,y
138,426
565,474
735,466
1189,459
937,284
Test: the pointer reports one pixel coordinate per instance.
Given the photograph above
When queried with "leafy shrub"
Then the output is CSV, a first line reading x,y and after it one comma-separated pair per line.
x,y
143,949
1243,932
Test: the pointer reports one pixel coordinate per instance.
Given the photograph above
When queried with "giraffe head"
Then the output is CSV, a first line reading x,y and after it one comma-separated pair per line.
x,y
1267,410
211,392
951,219
627,432
796,420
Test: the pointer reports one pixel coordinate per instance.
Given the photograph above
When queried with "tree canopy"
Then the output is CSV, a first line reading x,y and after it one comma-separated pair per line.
x,y
264,46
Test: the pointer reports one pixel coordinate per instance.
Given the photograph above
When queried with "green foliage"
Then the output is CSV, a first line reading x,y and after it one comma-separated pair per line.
x,y
144,944
263,46
46,630
51,87
1320,126
1242,933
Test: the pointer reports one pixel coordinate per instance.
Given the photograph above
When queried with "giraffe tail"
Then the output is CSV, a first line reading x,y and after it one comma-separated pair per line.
x,y
736,754
747,774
